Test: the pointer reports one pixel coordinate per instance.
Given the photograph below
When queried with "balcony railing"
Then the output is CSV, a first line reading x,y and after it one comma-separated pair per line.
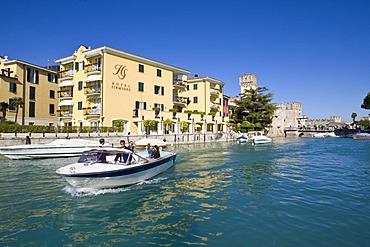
x,y
92,112
65,114
214,106
180,101
66,73
65,94
92,90
92,68
179,83
214,92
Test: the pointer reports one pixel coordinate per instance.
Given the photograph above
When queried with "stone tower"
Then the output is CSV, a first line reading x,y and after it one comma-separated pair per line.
x,y
247,81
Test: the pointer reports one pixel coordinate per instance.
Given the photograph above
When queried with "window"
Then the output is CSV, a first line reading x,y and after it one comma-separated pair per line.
x,y
32,93
13,87
156,89
52,78
195,100
195,87
32,76
80,83
187,87
141,68
160,106
76,66
51,109
79,105
141,86
11,106
140,105
52,94
31,109
159,73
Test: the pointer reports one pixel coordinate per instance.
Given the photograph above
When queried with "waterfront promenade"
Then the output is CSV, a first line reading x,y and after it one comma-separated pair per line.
x,y
8,139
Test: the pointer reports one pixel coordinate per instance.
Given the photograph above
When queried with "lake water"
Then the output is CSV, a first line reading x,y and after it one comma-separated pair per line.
x,y
294,192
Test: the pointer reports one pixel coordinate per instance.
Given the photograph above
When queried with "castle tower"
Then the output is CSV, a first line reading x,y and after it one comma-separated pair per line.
x,y
247,81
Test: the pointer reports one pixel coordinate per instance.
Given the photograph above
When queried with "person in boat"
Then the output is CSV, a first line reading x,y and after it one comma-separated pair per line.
x,y
131,146
156,154
102,156
150,150
122,157
102,142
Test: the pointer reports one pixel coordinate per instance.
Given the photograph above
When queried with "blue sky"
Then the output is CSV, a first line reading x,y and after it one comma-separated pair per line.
x,y
316,51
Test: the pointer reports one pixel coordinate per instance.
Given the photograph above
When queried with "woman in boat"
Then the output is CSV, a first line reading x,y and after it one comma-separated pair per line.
x,y
156,154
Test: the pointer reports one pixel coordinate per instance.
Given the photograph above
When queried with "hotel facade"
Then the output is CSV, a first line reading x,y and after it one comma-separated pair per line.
x,y
35,85
103,86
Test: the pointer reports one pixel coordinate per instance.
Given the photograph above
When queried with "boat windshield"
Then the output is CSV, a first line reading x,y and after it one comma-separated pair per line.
x,y
87,157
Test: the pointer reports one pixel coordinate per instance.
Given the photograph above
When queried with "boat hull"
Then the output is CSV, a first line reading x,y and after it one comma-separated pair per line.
x,y
128,175
56,149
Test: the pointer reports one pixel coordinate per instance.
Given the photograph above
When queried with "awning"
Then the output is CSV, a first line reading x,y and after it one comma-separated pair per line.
x,y
65,102
93,78
66,83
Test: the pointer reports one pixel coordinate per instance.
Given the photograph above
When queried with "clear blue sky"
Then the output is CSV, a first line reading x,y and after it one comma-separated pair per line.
x,y
316,51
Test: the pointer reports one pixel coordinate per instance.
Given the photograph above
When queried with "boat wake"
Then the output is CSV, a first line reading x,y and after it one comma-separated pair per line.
x,y
95,192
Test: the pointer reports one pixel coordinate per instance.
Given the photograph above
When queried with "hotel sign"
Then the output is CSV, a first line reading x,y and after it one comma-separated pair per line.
x,y
121,72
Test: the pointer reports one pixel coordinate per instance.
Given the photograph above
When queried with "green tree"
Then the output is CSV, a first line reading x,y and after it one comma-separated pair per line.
x,y
184,126
255,107
17,103
167,122
3,108
353,116
366,104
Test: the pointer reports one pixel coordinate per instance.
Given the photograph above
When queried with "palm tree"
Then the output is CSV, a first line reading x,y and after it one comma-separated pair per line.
x,y
3,108
17,102
353,116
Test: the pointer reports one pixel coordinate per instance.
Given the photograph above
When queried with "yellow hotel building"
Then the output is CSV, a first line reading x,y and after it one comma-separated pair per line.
x,y
37,86
102,85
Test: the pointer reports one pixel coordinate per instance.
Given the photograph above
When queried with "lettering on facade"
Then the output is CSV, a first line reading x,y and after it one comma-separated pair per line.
x,y
121,86
120,71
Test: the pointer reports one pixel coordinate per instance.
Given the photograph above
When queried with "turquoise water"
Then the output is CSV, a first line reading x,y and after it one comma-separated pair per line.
x,y
295,192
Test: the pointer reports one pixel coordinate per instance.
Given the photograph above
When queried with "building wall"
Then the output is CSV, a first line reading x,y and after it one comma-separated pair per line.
x,y
42,97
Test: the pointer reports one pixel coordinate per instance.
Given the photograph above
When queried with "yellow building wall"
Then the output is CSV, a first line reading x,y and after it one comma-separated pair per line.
x,y
42,93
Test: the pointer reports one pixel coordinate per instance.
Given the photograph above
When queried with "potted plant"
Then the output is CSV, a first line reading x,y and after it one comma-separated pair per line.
x,y
156,111
189,112
213,114
174,112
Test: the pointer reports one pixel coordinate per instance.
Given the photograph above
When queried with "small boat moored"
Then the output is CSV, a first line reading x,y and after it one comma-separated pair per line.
x,y
242,139
56,149
361,136
260,140
101,168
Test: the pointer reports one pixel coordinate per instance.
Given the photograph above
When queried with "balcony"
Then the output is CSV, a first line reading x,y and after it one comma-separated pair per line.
x,y
92,112
93,68
214,106
91,91
178,84
179,101
65,74
65,95
65,114
214,92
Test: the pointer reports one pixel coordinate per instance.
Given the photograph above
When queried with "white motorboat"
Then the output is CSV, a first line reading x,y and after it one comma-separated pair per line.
x,y
325,135
90,172
242,139
142,143
56,149
260,140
